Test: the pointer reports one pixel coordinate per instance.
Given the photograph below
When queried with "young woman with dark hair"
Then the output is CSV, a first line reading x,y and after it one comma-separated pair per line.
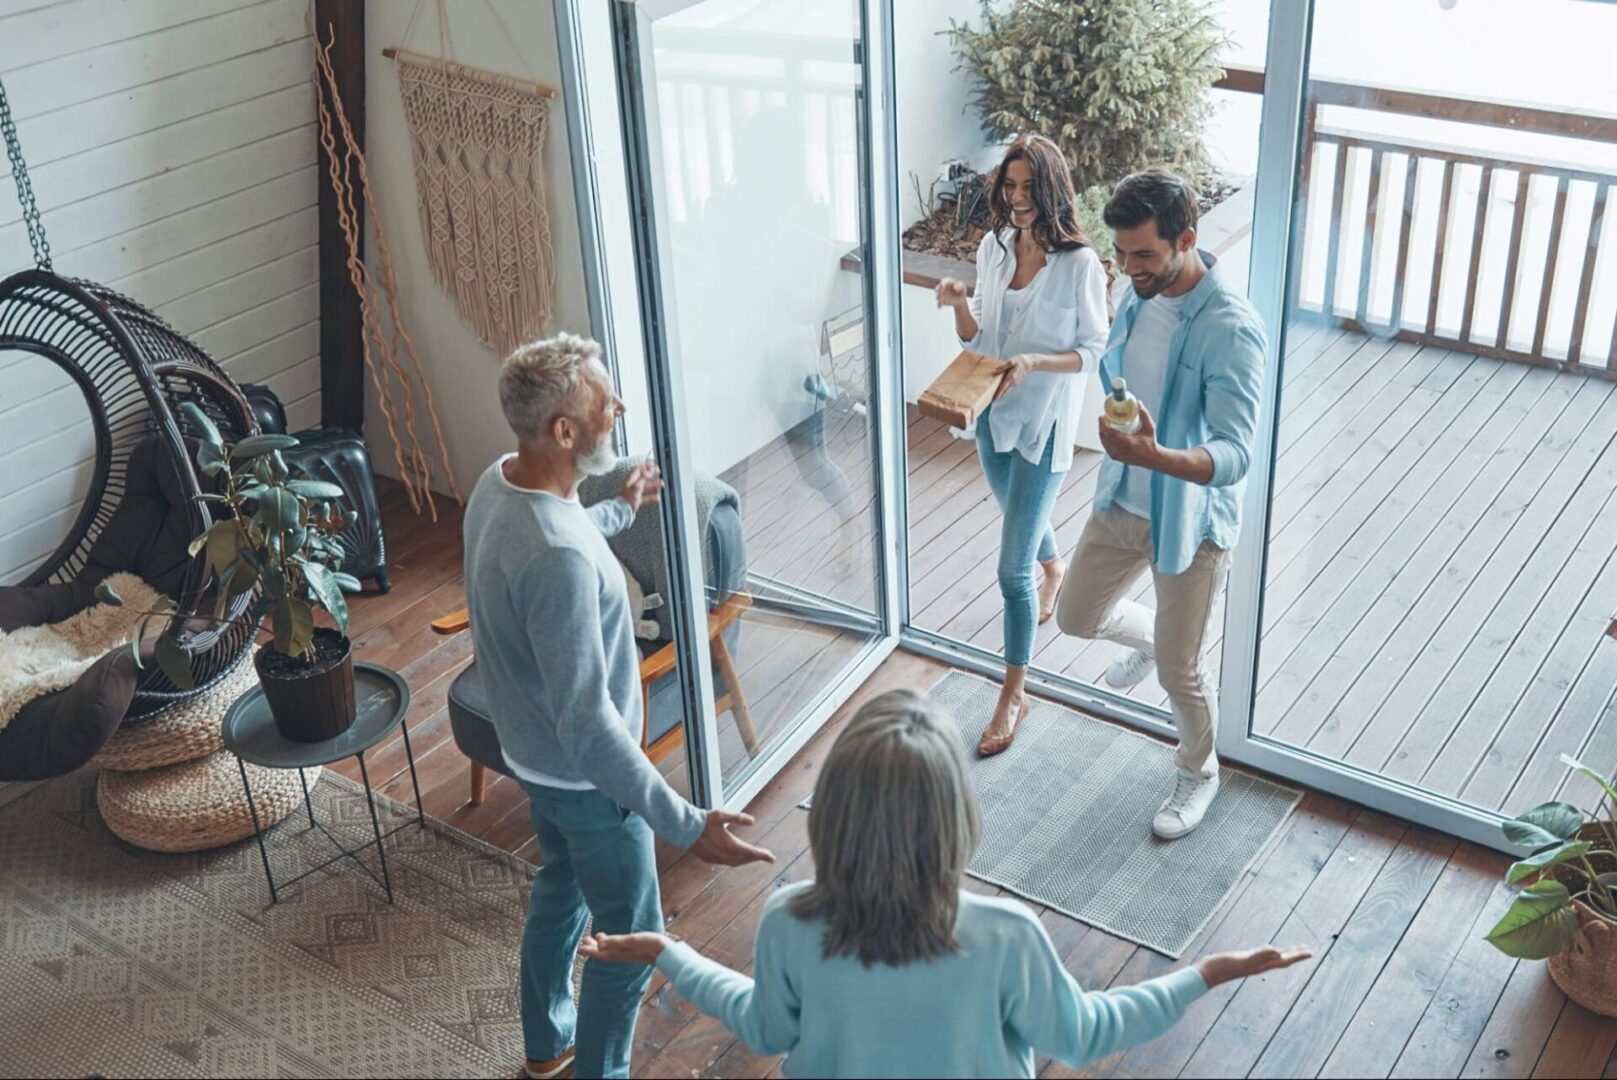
x,y
1040,308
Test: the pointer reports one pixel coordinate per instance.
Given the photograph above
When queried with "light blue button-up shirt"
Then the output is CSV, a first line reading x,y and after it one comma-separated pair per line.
x,y
1209,399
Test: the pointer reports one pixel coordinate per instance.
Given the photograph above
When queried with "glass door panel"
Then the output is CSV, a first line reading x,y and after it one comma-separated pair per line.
x,y
953,521
1439,570
751,122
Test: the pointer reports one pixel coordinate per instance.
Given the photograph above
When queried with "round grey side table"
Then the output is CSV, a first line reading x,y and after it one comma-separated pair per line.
x,y
381,700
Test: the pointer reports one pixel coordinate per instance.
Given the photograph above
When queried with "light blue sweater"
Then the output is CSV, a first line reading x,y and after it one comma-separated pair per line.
x,y
985,1011
555,643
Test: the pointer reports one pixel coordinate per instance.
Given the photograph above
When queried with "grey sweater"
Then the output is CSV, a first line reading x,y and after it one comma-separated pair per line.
x,y
555,642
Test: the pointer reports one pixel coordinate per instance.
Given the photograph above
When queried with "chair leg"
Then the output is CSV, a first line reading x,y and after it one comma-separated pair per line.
x,y
738,700
479,782
645,715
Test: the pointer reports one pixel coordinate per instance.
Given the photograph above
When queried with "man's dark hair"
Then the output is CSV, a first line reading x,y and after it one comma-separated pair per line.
x,y
1154,193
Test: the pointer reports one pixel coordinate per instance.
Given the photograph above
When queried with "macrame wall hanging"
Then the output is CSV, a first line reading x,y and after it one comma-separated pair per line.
x,y
476,141
350,182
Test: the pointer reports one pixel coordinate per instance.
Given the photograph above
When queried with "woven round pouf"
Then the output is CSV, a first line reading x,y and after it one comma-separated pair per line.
x,y
195,804
185,732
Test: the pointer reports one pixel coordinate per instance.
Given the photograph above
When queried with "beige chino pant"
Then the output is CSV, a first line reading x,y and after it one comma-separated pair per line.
x,y
1113,552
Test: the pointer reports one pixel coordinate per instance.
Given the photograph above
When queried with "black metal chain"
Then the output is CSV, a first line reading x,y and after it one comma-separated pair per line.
x,y
25,190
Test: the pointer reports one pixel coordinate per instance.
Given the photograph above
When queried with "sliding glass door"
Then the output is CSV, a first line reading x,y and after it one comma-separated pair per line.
x,y
1417,620
752,168
953,540
1414,611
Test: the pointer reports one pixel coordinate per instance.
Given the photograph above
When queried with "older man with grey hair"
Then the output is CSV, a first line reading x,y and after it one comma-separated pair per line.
x,y
555,642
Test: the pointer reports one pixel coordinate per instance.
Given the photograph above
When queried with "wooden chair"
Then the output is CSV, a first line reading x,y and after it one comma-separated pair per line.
x,y
652,668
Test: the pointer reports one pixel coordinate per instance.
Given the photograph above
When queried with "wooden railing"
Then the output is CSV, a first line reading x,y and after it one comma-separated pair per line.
x,y
1376,202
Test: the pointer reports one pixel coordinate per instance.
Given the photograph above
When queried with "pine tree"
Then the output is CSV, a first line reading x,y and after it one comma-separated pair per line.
x,y
1119,85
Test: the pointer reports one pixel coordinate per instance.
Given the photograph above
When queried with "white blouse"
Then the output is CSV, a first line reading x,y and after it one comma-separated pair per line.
x,y
1063,309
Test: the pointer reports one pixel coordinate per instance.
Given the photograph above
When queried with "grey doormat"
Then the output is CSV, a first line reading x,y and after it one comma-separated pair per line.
x,y
1067,821
127,963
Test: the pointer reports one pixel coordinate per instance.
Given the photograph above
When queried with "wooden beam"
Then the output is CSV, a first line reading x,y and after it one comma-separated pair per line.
x,y
1240,79
342,366
525,85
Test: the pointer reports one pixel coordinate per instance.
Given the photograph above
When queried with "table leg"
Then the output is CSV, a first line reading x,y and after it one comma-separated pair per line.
x,y
409,755
258,832
376,826
307,805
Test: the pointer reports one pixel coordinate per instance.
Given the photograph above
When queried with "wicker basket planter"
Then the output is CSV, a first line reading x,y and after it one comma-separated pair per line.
x,y
1587,973
310,704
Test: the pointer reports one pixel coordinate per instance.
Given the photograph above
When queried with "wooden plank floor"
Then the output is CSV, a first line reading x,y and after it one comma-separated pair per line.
x,y
1402,985
1440,563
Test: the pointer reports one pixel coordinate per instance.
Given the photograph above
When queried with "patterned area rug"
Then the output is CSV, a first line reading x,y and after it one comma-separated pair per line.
x,y
127,963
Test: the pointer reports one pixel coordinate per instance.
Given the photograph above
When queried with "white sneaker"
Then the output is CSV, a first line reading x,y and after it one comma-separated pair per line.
x,y
1183,810
1131,670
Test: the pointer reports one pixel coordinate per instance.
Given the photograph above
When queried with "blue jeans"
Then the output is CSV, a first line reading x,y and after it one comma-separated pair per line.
x,y
598,861
1026,493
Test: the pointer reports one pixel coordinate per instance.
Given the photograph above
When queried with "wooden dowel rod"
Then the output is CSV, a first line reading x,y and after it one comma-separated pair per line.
x,y
392,53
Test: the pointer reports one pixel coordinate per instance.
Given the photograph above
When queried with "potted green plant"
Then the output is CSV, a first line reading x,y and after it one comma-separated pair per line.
x,y
279,538
1566,912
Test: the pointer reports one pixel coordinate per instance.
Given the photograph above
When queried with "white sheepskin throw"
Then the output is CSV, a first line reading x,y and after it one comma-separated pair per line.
x,y
38,660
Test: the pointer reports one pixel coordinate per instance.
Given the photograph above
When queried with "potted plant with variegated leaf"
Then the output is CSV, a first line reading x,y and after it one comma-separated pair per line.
x,y
279,537
1566,912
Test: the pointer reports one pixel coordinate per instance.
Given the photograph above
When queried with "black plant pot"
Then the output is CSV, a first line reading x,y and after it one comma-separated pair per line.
x,y
310,702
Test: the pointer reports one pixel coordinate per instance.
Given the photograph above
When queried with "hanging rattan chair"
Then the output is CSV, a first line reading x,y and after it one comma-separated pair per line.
x,y
134,370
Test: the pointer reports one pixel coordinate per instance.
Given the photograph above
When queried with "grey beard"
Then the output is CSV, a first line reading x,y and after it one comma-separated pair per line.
x,y
600,459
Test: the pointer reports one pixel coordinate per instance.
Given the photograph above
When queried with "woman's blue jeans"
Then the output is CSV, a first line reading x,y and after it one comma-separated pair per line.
x,y
1026,493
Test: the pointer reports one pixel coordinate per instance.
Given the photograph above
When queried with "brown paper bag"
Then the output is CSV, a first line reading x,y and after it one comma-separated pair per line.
x,y
966,387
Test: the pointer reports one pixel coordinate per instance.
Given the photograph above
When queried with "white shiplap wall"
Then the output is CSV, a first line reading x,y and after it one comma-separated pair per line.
x,y
172,148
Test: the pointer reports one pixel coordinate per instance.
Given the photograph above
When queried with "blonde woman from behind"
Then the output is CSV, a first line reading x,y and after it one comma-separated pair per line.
x,y
883,965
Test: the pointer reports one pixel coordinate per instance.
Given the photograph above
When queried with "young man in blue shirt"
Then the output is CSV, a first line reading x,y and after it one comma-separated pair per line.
x,y
1168,497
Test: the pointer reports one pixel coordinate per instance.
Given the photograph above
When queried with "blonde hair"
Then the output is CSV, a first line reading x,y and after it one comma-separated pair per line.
x,y
542,380
893,824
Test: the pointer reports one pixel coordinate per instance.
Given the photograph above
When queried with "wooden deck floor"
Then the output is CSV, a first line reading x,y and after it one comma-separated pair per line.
x,y
1403,985
1440,565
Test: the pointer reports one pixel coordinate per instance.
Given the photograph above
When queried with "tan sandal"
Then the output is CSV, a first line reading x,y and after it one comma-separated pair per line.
x,y
1047,608
991,744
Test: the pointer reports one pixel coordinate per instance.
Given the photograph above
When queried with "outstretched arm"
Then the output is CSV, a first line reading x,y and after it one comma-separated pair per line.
x,y
761,1012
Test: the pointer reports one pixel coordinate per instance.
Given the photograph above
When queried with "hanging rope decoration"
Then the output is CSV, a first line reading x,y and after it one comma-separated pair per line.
x,y
476,139
348,176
